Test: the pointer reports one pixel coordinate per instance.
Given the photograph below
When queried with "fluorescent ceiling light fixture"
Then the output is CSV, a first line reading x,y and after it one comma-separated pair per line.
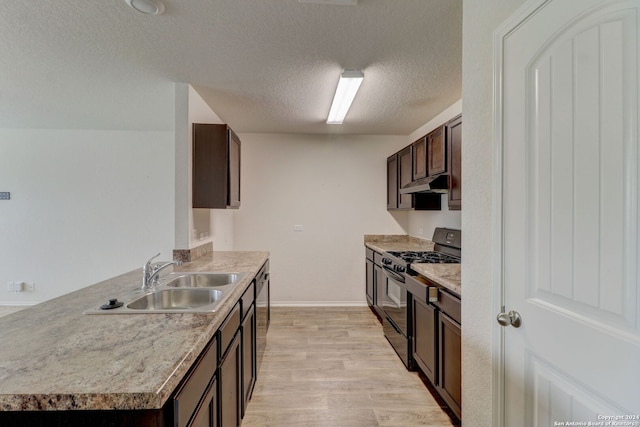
x,y
148,7
348,86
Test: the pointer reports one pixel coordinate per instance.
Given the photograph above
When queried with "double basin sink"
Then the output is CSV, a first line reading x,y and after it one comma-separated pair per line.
x,y
177,293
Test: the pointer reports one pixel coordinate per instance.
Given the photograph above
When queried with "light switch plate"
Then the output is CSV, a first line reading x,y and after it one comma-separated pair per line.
x,y
5,195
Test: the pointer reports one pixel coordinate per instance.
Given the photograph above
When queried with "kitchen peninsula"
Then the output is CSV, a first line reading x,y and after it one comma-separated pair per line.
x,y
55,358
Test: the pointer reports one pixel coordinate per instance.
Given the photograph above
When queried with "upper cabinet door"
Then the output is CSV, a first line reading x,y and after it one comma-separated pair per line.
x,y
392,182
405,164
234,170
436,152
454,138
419,149
216,167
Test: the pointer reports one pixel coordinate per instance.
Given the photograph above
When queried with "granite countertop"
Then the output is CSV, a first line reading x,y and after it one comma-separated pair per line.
x,y
446,275
54,357
385,243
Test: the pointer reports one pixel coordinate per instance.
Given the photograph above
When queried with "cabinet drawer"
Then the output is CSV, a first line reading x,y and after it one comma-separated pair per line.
x,y
229,328
449,304
263,274
247,299
194,387
377,258
418,286
370,253
264,271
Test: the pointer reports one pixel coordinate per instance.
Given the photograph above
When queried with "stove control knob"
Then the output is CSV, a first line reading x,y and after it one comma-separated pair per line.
x,y
386,261
400,269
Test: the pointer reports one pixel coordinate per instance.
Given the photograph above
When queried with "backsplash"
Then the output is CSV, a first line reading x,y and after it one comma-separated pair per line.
x,y
188,255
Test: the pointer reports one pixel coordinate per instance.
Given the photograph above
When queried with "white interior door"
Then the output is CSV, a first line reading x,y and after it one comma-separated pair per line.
x,y
567,132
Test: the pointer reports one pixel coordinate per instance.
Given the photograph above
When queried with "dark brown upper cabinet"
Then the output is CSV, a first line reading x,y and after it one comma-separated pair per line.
x,y
405,164
419,149
216,167
436,151
454,138
392,182
400,173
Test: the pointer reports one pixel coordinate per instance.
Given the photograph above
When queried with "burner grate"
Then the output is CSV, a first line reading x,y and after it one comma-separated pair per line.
x,y
430,257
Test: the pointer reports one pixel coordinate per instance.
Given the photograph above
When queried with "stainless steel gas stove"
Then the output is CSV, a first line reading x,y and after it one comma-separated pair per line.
x,y
395,300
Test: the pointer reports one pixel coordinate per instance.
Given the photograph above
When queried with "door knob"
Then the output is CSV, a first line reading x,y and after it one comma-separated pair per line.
x,y
511,318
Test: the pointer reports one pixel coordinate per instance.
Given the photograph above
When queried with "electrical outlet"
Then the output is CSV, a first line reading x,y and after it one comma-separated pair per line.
x,y
5,195
421,231
30,286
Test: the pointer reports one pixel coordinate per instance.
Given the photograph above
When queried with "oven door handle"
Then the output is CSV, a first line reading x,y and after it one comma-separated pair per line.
x,y
393,275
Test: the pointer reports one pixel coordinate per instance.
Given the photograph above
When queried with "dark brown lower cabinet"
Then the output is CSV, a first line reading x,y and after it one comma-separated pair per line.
x,y
214,393
230,370
188,402
230,385
450,373
207,415
380,280
248,356
436,341
370,288
425,343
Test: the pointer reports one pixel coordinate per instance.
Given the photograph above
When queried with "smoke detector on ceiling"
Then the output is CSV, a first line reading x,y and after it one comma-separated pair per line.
x,y
148,7
336,2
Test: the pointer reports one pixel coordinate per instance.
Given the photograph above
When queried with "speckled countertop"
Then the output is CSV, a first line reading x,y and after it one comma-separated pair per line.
x,y
446,275
400,242
53,357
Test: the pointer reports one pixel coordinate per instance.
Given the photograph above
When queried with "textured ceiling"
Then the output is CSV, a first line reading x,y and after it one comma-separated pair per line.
x,y
262,65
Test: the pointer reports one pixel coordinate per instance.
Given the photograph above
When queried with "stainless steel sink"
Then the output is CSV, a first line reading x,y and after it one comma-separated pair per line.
x,y
176,299
202,280
176,293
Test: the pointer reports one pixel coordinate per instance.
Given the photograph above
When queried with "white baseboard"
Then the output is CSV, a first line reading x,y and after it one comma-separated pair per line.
x,y
318,303
18,304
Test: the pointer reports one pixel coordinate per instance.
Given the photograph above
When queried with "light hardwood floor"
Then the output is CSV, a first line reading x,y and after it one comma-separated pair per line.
x,y
5,309
333,367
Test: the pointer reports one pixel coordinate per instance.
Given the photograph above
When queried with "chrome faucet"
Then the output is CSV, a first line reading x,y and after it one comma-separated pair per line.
x,y
150,272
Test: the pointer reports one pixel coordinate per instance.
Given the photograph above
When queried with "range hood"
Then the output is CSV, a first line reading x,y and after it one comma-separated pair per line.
x,y
431,184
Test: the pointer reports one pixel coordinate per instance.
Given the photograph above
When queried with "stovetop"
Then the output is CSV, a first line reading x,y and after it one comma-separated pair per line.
x,y
426,257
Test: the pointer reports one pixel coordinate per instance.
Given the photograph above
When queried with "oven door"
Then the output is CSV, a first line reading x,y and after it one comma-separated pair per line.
x,y
396,314
395,300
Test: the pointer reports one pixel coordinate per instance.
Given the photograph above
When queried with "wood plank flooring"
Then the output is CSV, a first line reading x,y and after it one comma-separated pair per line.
x,y
327,366
8,309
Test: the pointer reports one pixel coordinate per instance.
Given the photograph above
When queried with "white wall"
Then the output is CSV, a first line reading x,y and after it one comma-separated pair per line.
x,y
480,19
334,186
85,206
190,224
422,223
